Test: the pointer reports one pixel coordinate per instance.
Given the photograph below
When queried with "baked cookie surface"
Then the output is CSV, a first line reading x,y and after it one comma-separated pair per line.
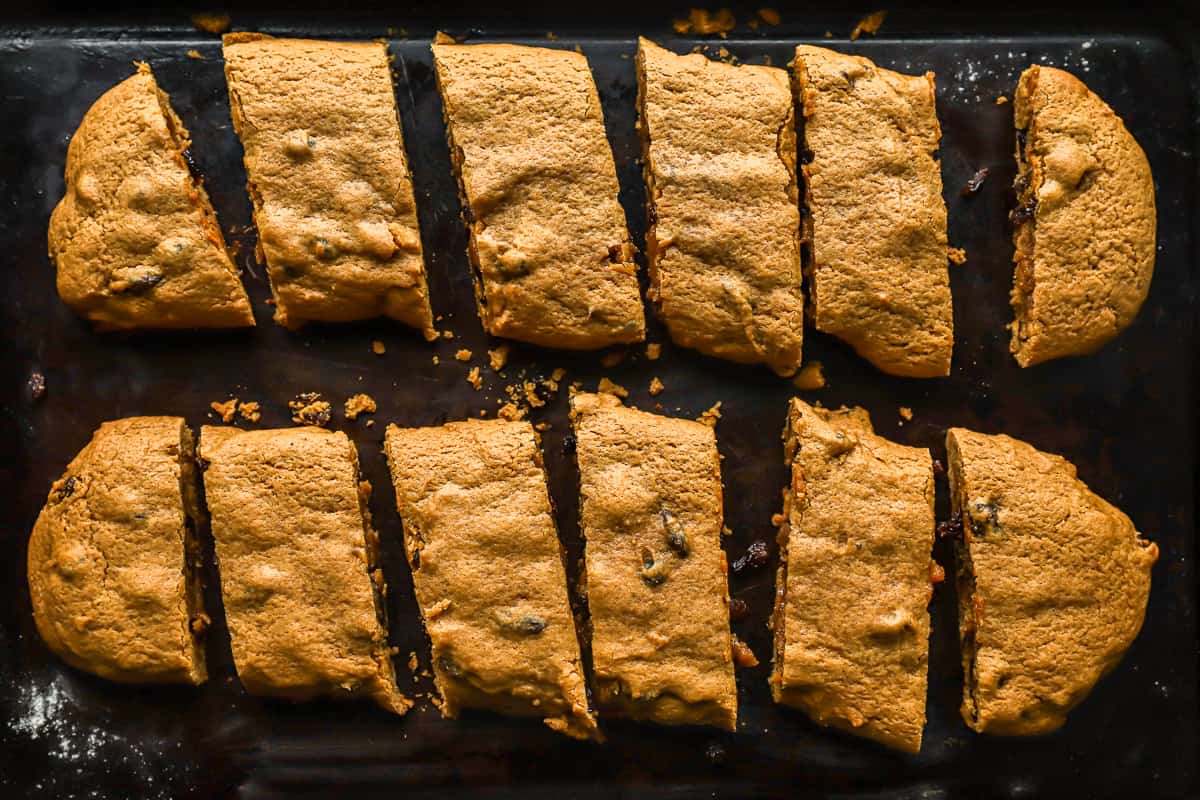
x,y
1085,226
134,239
112,557
1052,583
551,253
723,247
651,516
851,621
327,171
878,269
488,571
298,559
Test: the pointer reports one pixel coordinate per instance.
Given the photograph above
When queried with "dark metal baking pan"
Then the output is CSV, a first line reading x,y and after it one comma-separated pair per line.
x,y
1125,416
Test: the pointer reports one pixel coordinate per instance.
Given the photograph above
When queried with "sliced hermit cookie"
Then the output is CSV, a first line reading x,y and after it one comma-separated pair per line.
x,y
1084,226
135,240
552,257
1052,583
113,559
650,493
303,593
855,577
488,571
327,171
719,154
876,221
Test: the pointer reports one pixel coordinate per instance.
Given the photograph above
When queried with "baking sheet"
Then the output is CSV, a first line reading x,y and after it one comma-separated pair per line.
x,y
1125,416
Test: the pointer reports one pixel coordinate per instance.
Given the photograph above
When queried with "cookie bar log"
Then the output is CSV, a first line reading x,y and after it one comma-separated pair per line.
x,y
551,254
134,239
723,247
1084,227
304,597
650,498
326,169
113,557
1052,583
851,621
876,224
488,571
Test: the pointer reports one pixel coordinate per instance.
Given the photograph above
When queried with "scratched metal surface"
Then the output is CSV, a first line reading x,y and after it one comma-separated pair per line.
x,y
1125,416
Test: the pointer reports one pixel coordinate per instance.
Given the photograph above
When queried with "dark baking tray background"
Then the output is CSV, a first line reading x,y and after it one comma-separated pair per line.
x,y
1125,416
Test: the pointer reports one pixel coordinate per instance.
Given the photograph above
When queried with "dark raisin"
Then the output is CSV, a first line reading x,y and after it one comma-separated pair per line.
x,y
568,444
806,156
190,160
1024,212
1022,139
715,753
530,626
37,386
676,538
756,556
974,182
991,511
951,528
416,559
448,666
68,487
144,282
938,467
738,609
653,572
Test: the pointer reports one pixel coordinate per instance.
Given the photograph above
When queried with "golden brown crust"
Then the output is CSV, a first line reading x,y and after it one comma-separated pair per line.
x,y
851,624
724,241
650,491
301,588
326,169
1053,583
878,272
134,238
553,260
1085,226
109,577
488,571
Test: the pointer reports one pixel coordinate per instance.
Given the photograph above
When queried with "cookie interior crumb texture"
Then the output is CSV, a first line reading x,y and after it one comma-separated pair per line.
x,y
1084,228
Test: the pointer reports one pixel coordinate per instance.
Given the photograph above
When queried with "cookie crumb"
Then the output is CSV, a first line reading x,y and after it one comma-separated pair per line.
x,y
1001,100
656,386
413,663
474,379
957,256
711,416
705,22
378,348
212,23
250,411
499,356
447,334
871,24
225,410
811,376
37,386
726,530
975,181
906,413
653,351
359,404
436,361
463,355
610,360
542,427
608,387
936,573
510,412
743,656
558,374
769,16
195,54
309,409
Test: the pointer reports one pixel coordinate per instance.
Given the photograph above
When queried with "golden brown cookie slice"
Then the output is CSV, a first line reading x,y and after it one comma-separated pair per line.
x,y
326,169
1052,583
113,558
1084,227
876,227
552,258
488,571
303,593
851,621
650,511
723,247
135,240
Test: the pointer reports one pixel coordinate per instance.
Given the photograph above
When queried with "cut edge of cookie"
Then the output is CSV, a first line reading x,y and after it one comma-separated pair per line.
x,y
791,448
970,606
803,187
197,620
653,252
1024,216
